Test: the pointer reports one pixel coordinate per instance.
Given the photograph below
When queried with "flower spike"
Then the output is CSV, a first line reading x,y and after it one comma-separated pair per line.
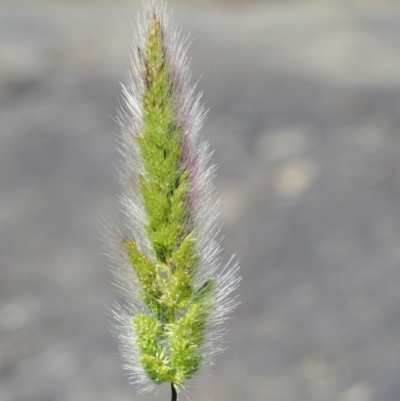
x,y
167,255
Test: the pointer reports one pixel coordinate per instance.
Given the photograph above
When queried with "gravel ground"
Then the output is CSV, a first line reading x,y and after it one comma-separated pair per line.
x,y
304,115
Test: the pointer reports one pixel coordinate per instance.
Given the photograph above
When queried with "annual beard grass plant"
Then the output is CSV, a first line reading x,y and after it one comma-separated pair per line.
x,y
167,253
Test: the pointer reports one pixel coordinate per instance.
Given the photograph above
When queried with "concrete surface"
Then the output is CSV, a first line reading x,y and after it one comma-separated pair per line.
x,y
304,116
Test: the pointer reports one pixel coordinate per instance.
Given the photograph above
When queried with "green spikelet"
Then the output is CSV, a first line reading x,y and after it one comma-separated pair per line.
x,y
177,288
170,338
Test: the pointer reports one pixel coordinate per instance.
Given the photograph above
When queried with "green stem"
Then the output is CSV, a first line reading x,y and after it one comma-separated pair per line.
x,y
174,396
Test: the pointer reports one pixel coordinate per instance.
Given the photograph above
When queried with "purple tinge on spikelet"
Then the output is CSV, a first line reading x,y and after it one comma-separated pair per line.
x,y
190,114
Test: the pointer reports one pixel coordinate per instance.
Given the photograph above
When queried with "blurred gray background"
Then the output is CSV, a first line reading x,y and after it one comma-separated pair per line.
x,y
304,101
